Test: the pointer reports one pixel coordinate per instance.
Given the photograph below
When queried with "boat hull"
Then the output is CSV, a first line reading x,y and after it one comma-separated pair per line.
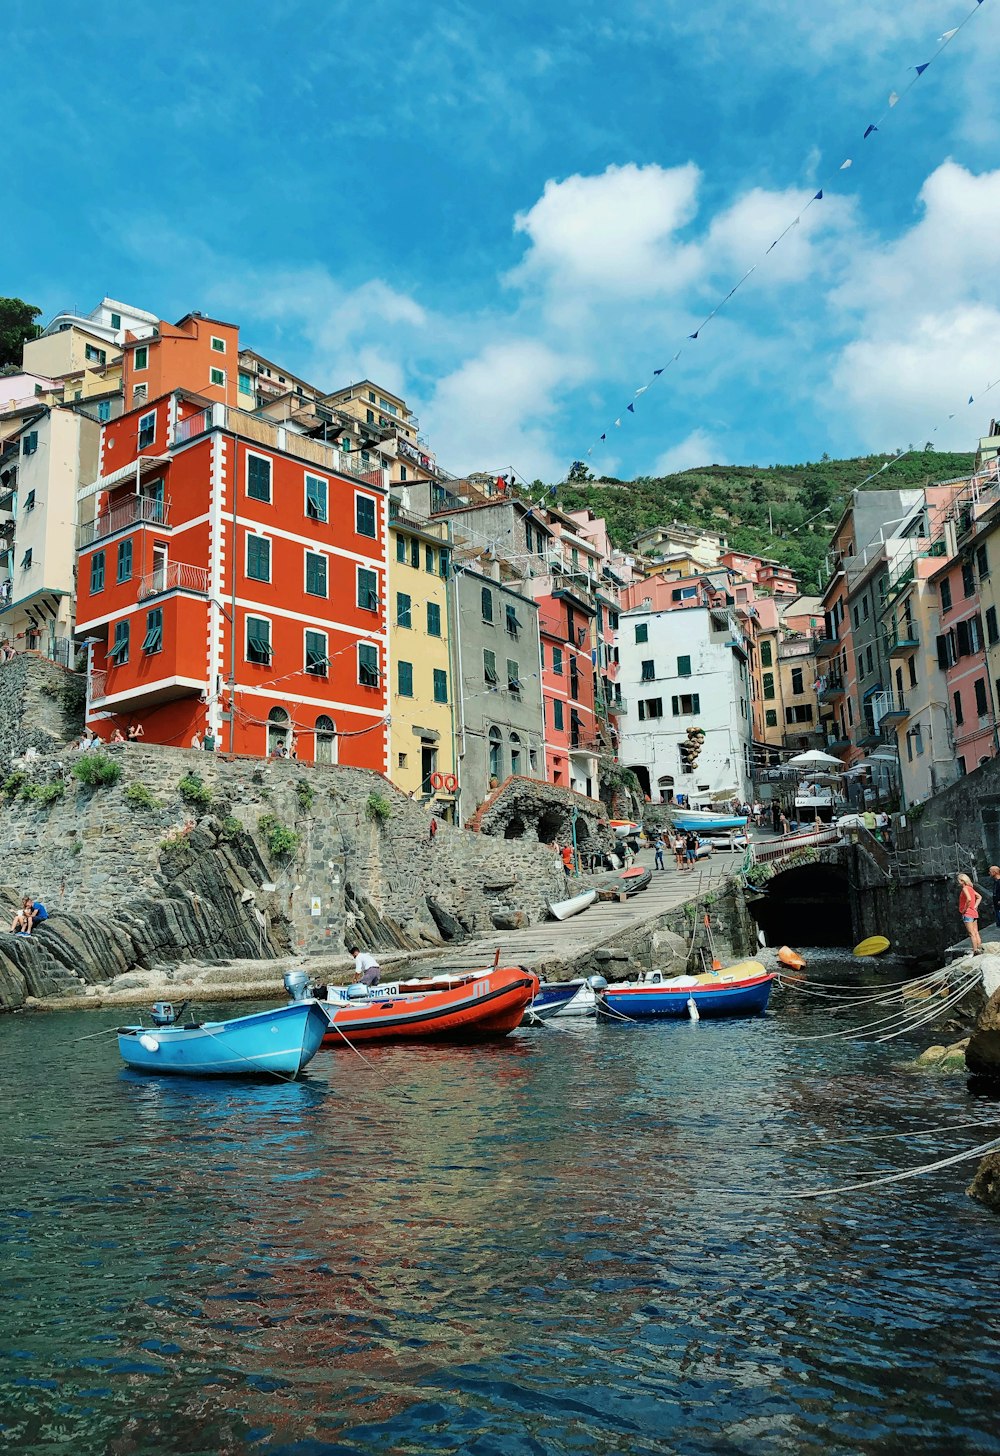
x,y
552,998
694,819
564,909
278,1042
482,1007
670,999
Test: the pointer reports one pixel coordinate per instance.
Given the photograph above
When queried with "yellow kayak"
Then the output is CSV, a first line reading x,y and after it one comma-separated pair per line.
x,y
874,945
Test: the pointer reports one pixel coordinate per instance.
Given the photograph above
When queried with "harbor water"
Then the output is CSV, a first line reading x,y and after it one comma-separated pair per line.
x,y
579,1240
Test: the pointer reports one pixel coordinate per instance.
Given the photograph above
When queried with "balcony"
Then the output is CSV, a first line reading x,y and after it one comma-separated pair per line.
x,y
175,576
127,695
830,687
902,640
889,708
137,510
617,707
825,645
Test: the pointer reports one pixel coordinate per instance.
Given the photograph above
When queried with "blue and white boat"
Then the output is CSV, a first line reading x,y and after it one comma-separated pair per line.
x,y
704,822
740,990
279,1042
551,998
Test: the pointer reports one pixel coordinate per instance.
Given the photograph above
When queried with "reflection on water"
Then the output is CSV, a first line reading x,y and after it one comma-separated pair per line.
x,y
573,1241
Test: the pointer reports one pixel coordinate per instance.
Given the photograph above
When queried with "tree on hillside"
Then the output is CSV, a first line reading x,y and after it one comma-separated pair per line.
x,y
578,472
17,323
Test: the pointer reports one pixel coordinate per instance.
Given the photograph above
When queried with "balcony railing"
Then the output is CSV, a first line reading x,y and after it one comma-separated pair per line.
x,y
831,686
98,685
195,424
903,640
137,510
617,707
175,576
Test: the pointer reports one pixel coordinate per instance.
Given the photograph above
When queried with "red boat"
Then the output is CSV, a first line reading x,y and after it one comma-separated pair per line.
x,y
477,1006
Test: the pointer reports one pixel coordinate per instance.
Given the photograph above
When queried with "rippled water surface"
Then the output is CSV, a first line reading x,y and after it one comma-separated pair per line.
x,y
577,1241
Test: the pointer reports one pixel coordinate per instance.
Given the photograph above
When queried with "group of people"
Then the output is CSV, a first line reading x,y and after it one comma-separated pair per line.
x,y
969,901
31,913
684,848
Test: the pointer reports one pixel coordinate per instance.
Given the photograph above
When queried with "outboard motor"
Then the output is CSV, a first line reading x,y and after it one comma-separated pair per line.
x,y
356,991
297,985
597,984
163,1013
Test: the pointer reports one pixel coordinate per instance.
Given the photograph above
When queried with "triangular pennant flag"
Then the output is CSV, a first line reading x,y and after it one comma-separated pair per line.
x,y
641,390
676,357
773,245
618,424
658,372
970,398
921,69
869,131
631,409
947,35
844,165
819,196
893,97
695,334
604,437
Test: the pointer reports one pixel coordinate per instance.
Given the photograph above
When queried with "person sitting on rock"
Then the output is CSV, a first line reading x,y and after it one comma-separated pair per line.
x,y
31,913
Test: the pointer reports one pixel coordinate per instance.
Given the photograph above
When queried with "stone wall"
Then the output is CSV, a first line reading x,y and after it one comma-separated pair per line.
x,y
364,863
523,808
36,710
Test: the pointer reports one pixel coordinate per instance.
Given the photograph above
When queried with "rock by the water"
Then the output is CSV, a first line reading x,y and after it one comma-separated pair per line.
x,y
943,1058
985,1186
982,1055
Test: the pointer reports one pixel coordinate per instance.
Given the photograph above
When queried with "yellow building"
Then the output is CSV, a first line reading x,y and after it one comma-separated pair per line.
x,y
422,681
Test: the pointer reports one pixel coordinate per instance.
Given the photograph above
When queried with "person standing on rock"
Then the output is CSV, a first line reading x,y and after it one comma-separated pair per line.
x,y
969,901
658,849
995,877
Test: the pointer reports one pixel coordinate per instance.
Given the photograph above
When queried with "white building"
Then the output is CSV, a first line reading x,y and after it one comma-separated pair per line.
x,y
685,669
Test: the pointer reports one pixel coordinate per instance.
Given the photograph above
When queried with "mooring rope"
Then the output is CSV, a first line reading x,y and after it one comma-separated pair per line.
x,y
885,1023
901,1177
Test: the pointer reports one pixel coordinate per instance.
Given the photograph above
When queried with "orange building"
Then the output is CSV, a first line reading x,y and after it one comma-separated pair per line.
x,y
196,353
232,580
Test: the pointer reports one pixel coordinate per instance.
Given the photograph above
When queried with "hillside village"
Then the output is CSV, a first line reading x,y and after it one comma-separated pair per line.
x,y
244,561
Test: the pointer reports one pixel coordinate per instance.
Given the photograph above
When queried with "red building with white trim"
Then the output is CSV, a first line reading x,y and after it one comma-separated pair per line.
x,y
232,581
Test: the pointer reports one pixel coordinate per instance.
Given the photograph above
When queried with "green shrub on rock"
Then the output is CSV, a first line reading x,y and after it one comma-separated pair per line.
x,y
45,794
140,798
96,770
230,827
15,783
194,791
378,808
306,794
281,841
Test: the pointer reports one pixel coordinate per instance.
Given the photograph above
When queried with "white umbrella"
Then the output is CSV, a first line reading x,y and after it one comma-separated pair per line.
x,y
813,756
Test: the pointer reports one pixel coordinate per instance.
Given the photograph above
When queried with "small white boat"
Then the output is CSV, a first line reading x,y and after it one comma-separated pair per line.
x,y
729,841
564,909
584,1003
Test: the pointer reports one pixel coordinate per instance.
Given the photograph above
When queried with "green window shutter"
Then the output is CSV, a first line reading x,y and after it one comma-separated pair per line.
x,y
364,514
258,641
259,558
97,571
316,654
440,685
316,574
683,667
125,560
258,478
315,498
401,549
153,640
368,665
487,601
433,619
642,632
443,563
490,666
119,652
367,589
414,553
404,611
557,713
430,559
695,703
404,679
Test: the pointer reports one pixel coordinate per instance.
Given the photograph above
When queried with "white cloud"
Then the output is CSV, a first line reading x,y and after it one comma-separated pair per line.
x,y
697,449
612,234
739,238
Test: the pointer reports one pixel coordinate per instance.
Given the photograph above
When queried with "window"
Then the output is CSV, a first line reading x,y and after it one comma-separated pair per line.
x,y
961,765
125,560
513,676
364,515
911,663
430,560
367,665
402,474
371,396
29,501
258,647
685,704
141,359
946,595
982,562
768,681
982,707
440,685
244,383
400,760
976,633
650,708
683,667
219,345
316,493
217,376
119,652
153,640
94,355
956,698
868,659
918,741
496,754
147,430
992,635
26,560
797,687
490,666
367,587
864,607
947,650
443,564
404,609
404,679
316,575
642,632
97,571
140,393
648,673
964,639
433,619
799,713
317,657
401,549
968,579
857,619
104,411
513,625
515,753
771,718
486,598
116,320
557,714
258,477
258,558
370,417
765,654
557,661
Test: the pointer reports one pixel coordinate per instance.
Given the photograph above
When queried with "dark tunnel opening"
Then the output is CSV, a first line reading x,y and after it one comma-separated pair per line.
x,y
806,906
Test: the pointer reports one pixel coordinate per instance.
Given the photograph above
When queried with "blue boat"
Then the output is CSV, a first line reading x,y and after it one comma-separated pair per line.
x,y
740,990
702,822
279,1042
549,1000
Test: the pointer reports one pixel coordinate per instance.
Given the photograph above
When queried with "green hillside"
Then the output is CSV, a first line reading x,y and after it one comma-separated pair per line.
x,y
737,499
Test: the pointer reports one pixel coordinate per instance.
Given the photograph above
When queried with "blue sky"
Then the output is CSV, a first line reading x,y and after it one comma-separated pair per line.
x,y
512,214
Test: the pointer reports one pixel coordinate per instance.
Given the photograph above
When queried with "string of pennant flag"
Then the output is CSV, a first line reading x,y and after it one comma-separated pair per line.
x,y
872,129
